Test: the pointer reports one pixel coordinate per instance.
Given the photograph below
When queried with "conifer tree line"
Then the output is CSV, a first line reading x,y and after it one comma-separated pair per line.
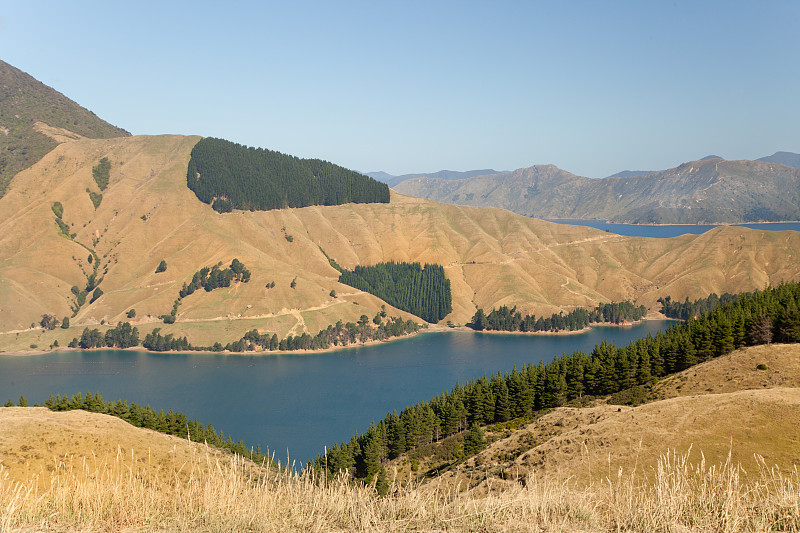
x,y
686,309
424,292
748,319
121,336
505,319
231,176
171,423
340,334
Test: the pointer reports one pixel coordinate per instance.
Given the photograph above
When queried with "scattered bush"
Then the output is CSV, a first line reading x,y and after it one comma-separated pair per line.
x,y
98,292
96,198
101,173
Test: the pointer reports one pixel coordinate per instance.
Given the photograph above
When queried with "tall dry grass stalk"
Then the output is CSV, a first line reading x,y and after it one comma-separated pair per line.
x,y
218,494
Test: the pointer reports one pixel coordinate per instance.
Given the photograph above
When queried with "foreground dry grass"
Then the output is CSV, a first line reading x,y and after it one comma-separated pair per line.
x,y
230,495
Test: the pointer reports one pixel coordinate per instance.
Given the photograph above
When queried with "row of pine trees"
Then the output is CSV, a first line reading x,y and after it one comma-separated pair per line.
x,y
229,176
749,319
686,309
339,334
505,319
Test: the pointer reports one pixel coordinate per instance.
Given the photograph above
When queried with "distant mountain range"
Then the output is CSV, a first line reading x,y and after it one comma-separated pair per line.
x,y
442,174
789,159
711,190
784,158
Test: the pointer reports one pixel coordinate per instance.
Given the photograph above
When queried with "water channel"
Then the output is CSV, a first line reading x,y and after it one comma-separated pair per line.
x,y
298,403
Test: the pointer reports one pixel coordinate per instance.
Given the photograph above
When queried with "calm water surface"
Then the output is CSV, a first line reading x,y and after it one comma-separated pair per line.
x,y
671,230
298,403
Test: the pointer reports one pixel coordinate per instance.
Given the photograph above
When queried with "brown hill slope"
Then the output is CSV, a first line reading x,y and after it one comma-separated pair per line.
x,y
77,471
35,441
706,191
720,407
147,214
26,102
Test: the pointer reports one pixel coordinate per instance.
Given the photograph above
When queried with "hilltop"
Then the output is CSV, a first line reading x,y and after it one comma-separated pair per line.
x,y
711,190
147,214
26,105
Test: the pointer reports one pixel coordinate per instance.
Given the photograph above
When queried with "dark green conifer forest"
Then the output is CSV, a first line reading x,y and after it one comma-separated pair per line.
x,y
424,292
230,176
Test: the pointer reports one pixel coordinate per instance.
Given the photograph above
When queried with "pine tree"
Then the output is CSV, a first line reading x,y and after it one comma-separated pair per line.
x,y
473,440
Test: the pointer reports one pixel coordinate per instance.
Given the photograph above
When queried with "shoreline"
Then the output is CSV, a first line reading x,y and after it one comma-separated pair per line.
x,y
432,328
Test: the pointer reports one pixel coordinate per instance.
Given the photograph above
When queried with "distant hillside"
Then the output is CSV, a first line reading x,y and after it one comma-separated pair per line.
x,y
379,175
630,173
491,257
789,159
442,174
24,101
707,191
227,175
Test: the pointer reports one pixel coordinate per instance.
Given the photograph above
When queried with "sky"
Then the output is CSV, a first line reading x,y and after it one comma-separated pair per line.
x,y
420,86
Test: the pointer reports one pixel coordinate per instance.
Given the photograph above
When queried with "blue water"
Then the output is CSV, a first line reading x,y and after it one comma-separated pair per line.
x,y
298,403
671,230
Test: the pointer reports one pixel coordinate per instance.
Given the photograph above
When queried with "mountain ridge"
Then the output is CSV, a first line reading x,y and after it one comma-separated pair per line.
x,y
442,174
24,102
705,191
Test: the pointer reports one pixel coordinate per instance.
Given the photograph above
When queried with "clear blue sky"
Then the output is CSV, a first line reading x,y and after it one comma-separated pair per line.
x,y
593,87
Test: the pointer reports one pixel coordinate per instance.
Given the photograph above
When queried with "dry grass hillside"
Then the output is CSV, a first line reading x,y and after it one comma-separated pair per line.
x,y
36,443
602,468
721,407
492,257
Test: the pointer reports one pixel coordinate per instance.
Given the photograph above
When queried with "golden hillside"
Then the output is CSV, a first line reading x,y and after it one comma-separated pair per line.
x,y
492,257
723,406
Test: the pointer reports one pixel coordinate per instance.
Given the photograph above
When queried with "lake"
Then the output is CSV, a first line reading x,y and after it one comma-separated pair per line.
x,y
671,230
298,403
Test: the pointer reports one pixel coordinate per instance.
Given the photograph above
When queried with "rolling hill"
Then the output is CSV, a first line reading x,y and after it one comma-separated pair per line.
x,y
26,104
711,190
147,214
